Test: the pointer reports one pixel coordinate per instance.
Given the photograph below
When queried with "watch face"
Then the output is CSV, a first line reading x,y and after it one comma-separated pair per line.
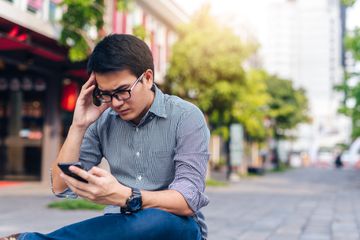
x,y
134,204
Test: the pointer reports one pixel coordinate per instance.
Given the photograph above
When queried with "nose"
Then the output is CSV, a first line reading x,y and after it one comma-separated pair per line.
x,y
117,103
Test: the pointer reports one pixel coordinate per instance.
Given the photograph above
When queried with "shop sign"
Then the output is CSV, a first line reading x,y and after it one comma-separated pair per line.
x,y
236,144
69,96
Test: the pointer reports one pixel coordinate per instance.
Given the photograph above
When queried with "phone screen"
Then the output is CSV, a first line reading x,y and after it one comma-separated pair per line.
x,y
65,169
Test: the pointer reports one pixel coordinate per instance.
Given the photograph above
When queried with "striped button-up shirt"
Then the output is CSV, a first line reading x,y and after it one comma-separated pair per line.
x,y
168,149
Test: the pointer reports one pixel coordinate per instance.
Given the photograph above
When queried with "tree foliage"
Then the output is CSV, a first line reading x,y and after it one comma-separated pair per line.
x,y
80,19
348,3
83,25
288,106
352,92
207,68
352,43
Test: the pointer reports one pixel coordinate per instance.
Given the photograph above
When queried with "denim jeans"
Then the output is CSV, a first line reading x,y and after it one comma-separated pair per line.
x,y
146,224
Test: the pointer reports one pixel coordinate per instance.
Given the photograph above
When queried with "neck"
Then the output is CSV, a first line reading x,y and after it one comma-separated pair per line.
x,y
146,109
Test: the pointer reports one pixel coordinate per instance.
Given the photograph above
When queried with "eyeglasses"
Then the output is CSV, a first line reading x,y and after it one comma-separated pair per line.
x,y
119,94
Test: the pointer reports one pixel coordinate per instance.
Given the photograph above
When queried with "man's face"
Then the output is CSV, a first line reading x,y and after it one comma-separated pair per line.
x,y
141,98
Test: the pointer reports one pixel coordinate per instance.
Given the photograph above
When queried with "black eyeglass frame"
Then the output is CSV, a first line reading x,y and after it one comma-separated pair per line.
x,y
114,93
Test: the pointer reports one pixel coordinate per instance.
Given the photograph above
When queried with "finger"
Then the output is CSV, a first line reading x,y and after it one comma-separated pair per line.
x,y
84,174
91,78
69,183
83,190
90,81
98,172
89,90
76,183
79,192
103,107
87,93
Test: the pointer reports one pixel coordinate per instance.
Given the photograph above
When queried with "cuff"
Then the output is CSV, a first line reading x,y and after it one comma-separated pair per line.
x,y
67,193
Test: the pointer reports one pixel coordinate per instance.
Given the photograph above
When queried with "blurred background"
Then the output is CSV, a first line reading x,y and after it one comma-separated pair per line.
x,y
278,80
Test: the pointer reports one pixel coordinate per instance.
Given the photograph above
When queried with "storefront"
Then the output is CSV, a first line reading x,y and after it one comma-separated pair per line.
x,y
38,88
22,102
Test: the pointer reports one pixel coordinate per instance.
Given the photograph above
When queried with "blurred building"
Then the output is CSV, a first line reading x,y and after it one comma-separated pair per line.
x,y
39,86
302,41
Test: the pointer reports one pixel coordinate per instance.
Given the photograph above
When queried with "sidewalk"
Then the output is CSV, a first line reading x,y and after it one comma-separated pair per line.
x,y
301,204
25,189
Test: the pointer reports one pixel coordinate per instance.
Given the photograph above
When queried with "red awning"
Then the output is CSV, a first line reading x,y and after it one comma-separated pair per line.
x,y
80,73
7,44
15,38
48,54
12,44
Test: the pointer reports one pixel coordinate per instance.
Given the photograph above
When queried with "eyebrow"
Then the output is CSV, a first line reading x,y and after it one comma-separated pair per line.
x,y
122,87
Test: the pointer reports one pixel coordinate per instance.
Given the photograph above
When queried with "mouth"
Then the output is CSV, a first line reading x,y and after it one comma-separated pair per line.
x,y
124,111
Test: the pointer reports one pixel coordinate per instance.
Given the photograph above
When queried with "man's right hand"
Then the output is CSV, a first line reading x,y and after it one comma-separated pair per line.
x,y
85,111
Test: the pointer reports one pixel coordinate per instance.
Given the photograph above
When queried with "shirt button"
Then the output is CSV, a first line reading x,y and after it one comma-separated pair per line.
x,y
137,154
139,177
137,129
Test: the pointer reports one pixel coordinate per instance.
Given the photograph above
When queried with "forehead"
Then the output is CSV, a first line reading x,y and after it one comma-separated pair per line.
x,y
112,80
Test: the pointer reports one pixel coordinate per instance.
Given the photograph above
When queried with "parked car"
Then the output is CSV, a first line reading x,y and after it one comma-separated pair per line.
x,y
351,157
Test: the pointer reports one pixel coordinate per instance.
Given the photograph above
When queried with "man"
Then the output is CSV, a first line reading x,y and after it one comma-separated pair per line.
x,y
156,146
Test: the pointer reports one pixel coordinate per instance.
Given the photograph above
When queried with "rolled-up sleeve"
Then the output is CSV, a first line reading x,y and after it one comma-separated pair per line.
x,y
90,155
191,158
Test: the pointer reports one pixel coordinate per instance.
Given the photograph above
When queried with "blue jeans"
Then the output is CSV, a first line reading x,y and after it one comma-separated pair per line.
x,y
146,224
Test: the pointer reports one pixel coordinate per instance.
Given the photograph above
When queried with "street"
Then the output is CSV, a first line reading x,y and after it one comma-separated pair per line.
x,y
304,204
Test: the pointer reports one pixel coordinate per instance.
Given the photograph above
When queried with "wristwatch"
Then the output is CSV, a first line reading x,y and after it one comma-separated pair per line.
x,y
133,203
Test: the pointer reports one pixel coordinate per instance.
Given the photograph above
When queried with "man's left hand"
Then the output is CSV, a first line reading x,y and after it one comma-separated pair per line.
x,y
102,187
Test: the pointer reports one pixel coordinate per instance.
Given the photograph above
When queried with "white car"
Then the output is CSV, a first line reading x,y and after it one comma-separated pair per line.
x,y
350,159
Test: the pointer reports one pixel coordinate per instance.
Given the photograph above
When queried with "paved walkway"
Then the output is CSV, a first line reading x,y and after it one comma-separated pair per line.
x,y
303,204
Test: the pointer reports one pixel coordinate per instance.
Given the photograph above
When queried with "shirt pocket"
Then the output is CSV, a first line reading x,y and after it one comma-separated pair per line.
x,y
161,167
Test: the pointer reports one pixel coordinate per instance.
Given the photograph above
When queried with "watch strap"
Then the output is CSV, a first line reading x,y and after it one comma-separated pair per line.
x,y
135,195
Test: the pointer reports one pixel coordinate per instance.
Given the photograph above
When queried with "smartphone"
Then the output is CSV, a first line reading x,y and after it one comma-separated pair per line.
x,y
95,93
65,169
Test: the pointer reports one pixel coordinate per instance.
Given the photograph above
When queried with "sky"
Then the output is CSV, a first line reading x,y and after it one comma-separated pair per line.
x,y
354,16
248,14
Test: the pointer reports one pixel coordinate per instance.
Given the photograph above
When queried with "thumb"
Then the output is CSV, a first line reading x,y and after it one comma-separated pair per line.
x,y
98,172
103,107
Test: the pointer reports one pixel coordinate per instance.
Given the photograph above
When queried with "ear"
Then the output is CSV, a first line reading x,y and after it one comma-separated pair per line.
x,y
149,78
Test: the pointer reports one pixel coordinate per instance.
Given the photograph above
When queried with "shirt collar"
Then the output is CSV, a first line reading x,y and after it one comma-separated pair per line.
x,y
157,107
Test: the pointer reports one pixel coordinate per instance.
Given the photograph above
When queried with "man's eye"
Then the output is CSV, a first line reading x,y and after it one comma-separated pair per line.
x,y
122,93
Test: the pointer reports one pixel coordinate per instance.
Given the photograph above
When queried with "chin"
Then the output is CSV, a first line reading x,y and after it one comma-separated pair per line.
x,y
127,117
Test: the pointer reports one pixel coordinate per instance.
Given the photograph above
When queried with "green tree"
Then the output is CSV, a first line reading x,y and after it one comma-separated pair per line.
x,y
351,92
352,43
83,25
287,107
207,68
348,3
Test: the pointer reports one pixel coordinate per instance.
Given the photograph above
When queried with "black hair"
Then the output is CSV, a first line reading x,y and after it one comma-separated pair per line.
x,y
117,52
